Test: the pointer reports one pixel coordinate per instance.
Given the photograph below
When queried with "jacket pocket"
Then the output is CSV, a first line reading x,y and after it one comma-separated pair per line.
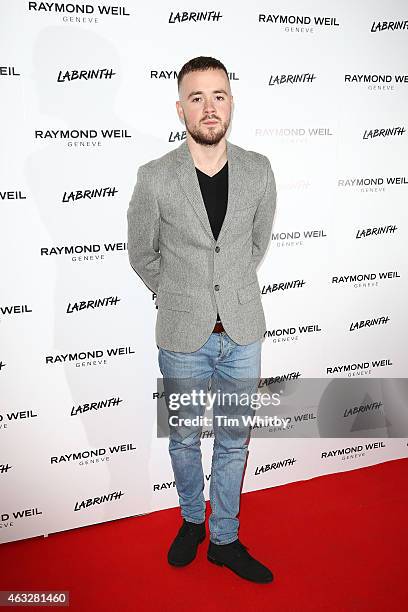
x,y
173,301
249,292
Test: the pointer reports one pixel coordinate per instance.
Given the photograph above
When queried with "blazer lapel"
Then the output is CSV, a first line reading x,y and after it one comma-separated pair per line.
x,y
187,176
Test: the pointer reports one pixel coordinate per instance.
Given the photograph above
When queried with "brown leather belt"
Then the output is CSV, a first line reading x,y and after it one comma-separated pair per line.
x,y
218,327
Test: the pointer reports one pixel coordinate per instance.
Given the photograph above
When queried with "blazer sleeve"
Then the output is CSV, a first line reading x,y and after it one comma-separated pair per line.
x,y
143,231
264,215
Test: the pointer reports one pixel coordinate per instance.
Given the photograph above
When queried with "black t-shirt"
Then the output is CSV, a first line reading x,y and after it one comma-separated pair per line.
x,y
214,190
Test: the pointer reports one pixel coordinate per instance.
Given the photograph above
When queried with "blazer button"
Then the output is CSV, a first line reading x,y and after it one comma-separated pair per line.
x,y
216,287
217,249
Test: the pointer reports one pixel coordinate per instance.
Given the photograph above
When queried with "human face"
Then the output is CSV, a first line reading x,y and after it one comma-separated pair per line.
x,y
205,105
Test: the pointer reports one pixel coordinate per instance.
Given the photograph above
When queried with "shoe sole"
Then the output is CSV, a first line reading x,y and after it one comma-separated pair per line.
x,y
240,575
200,541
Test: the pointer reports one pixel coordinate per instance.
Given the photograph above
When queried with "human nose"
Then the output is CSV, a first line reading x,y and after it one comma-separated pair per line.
x,y
209,106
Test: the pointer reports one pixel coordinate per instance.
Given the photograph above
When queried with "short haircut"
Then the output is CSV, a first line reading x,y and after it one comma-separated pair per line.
x,y
200,63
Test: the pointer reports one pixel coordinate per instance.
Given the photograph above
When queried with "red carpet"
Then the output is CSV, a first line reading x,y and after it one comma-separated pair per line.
x,y
334,543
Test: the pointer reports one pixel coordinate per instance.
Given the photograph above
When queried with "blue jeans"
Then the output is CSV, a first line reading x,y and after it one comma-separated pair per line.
x,y
227,367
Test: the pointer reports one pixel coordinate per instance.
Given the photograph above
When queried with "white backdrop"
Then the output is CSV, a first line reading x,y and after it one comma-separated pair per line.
x,y
71,146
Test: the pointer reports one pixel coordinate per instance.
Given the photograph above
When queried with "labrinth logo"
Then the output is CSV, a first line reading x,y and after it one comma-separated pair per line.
x,y
284,286
89,194
376,231
291,79
96,501
187,16
276,465
369,323
379,26
383,132
92,304
95,406
85,75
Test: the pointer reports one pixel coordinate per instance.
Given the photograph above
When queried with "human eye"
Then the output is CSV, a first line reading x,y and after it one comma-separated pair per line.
x,y
196,98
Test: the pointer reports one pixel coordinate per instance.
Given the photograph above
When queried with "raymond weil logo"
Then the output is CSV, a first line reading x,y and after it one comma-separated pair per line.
x,y
96,455
16,416
369,184
364,280
94,357
72,13
372,81
82,137
171,75
291,334
294,133
358,368
7,519
294,238
171,484
15,309
352,452
12,195
298,23
84,252
8,71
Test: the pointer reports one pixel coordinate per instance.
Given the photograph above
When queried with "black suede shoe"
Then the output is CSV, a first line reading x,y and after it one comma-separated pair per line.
x,y
184,547
236,558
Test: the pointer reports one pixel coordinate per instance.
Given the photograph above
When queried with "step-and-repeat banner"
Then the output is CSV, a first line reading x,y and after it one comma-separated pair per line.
x,y
88,94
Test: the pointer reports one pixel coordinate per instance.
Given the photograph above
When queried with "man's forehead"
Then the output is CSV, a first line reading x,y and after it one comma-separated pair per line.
x,y
205,81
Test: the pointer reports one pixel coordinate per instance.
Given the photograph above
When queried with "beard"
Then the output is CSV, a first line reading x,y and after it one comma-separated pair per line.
x,y
208,135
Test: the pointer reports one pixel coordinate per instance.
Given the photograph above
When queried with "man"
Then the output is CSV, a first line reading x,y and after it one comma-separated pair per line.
x,y
199,223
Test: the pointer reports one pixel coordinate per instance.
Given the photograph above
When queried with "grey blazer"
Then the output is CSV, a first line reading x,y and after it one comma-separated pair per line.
x,y
172,248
